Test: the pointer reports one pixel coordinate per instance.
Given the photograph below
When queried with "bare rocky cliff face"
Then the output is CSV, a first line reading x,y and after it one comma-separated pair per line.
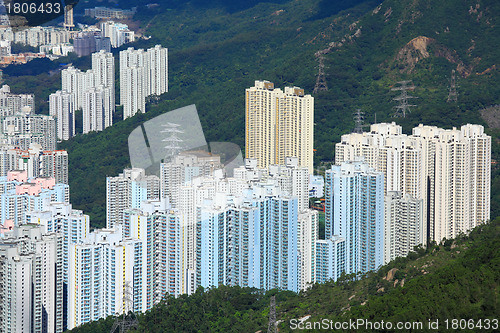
x,y
423,47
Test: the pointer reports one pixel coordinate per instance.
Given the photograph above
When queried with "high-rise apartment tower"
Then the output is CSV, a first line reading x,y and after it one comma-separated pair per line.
x,y
279,124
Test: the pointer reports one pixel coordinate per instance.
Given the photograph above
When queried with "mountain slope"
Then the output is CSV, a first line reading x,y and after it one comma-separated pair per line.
x,y
458,279
390,49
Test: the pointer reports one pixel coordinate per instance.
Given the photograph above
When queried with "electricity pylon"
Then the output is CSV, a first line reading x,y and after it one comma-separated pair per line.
x,y
452,95
403,108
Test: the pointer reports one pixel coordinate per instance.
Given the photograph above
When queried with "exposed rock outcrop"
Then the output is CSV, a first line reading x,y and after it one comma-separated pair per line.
x,y
423,47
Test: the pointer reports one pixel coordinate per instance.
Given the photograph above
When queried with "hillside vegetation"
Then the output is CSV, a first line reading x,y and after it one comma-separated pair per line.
x,y
458,279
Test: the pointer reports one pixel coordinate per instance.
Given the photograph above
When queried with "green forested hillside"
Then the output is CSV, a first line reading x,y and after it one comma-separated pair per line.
x,y
219,48
456,280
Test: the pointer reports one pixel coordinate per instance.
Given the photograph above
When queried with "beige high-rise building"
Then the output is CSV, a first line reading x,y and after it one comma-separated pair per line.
x,y
279,125
448,169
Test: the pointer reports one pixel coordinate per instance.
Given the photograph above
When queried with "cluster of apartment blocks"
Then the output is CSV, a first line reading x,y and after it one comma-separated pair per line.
x,y
112,33
36,36
38,224
27,140
20,195
30,266
31,279
19,126
195,226
24,129
215,212
92,91
11,104
36,162
118,33
154,247
447,171
254,229
142,73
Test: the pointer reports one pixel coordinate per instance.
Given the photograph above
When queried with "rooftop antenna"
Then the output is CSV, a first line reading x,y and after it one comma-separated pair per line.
x,y
403,108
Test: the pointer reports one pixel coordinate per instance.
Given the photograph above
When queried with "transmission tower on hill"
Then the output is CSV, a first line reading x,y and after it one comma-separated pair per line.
x,y
452,95
271,328
173,145
321,84
359,119
403,108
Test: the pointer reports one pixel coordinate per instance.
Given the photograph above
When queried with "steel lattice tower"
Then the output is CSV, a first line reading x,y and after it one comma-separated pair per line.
x,y
129,319
173,145
271,328
452,95
321,84
403,108
359,118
